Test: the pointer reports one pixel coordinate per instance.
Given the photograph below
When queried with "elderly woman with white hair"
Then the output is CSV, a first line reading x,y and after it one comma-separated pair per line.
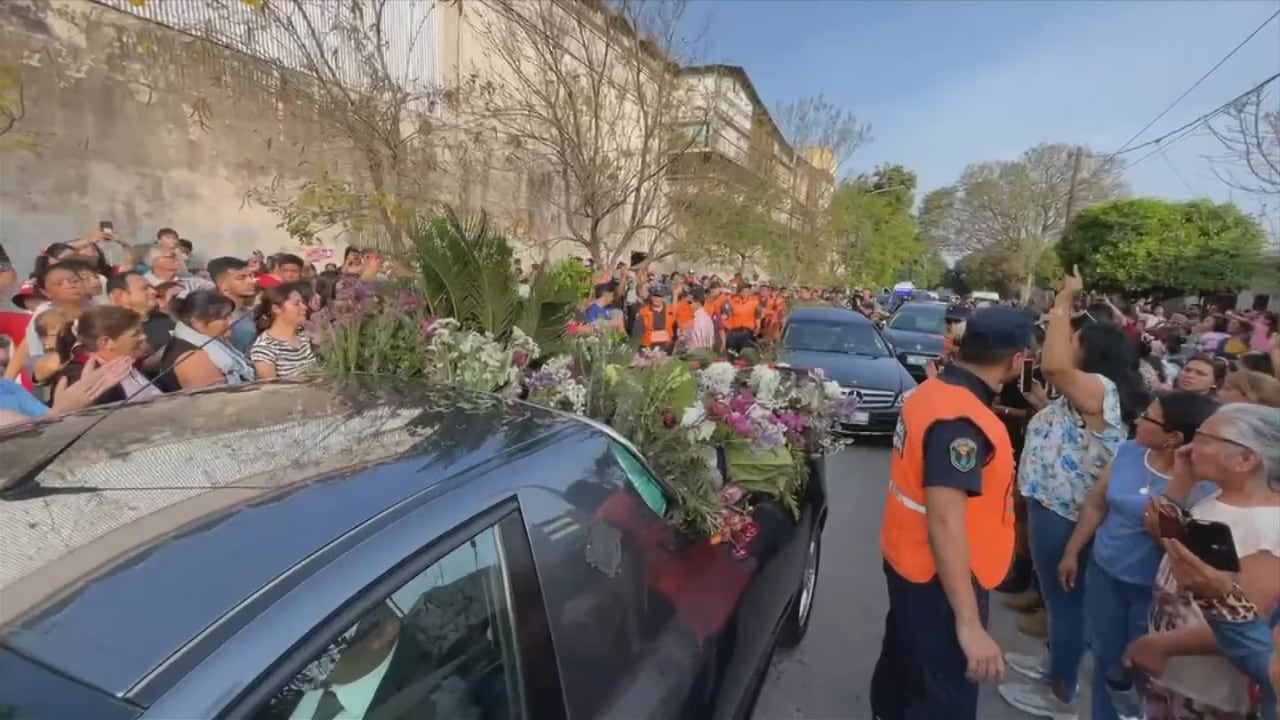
x,y
1237,449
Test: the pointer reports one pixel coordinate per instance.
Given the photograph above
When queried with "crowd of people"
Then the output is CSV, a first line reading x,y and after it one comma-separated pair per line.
x,y
681,312
1140,424
1138,431
90,332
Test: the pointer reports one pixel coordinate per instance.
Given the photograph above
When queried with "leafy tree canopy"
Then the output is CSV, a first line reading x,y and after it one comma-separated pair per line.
x,y
1150,246
878,241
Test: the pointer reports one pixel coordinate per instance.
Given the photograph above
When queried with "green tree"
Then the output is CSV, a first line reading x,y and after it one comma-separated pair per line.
x,y
729,225
877,242
1148,246
1019,207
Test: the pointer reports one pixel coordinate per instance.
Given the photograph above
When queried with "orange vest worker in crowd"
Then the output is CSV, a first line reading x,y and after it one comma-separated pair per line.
x,y
741,319
655,325
947,533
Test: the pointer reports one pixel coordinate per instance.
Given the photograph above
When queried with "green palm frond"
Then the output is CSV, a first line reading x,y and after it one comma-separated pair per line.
x,y
467,272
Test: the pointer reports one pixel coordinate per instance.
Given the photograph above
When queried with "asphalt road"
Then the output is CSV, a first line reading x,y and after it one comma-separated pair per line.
x,y
828,677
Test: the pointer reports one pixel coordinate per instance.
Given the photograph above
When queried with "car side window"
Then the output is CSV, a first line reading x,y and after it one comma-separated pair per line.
x,y
440,646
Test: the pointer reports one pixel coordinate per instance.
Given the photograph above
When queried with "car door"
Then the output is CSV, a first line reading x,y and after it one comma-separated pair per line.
x,y
646,624
456,630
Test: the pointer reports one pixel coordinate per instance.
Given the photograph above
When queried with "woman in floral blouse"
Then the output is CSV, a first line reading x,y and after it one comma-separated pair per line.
x,y
1094,367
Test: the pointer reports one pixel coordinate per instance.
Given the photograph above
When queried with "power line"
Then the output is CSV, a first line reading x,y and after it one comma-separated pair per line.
x,y
1192,124
1197,83
1186,133
1174,169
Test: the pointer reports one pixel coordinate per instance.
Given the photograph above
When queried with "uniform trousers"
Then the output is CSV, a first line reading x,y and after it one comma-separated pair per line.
x,y
920,674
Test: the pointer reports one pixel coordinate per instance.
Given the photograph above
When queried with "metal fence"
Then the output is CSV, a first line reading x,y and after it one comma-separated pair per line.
x,y
356,42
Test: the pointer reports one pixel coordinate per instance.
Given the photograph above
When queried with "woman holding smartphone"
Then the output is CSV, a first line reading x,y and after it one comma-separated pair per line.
x,y
1238,450
1117,595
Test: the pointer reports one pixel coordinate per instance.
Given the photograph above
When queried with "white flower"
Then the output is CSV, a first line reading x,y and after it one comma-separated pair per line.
x,y
693,415
832,389
767,385
704,431
718,378
522,290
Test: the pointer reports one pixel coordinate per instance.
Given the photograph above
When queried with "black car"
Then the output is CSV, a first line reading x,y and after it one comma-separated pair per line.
x,y
915,330
378,549
848,349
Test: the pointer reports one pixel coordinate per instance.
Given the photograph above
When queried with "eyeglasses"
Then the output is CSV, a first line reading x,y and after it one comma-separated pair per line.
x,y
1153,421
1202,434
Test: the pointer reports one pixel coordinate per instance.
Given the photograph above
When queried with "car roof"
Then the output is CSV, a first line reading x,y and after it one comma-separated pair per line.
x,y
828,314
170,514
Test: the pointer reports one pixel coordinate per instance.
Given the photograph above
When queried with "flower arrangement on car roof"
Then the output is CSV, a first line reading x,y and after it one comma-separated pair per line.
x,y
719,435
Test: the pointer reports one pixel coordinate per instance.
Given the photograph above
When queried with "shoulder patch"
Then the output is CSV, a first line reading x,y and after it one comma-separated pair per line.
x,y
964,454
900,436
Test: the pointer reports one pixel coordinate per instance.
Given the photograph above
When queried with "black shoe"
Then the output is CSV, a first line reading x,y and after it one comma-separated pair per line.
x,y
1021,575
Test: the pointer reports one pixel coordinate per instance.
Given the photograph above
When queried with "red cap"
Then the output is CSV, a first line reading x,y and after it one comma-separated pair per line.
x,y
26,291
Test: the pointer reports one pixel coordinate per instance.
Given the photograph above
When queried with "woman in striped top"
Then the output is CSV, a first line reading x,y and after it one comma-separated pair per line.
x,y
281,349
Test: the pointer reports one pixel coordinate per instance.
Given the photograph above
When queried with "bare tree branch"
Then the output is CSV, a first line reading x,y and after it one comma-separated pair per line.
x,y
588,92
1249,132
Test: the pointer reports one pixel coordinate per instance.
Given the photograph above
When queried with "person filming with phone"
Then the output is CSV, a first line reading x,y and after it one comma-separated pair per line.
x,y
1124,559
1236,530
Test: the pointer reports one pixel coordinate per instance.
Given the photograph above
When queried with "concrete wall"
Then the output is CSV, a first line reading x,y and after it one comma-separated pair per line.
x,y
145,127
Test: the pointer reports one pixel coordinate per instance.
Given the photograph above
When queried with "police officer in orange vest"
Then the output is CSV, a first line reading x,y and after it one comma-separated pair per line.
x,y
947,533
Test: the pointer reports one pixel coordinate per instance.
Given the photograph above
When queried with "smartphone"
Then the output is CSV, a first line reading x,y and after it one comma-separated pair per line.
x,y
1172,523
106,226
1211,541
1027,378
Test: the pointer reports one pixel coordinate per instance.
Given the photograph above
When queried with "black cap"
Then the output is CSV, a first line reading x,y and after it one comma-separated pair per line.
x,y
999,328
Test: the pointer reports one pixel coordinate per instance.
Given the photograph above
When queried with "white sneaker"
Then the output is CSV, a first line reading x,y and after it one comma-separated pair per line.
x,y
1037,699
1034,667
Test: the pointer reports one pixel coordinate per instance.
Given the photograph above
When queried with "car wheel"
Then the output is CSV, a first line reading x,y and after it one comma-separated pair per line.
x,y
801,610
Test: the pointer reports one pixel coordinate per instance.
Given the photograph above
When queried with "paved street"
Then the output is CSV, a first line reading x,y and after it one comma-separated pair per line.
x,y
828,676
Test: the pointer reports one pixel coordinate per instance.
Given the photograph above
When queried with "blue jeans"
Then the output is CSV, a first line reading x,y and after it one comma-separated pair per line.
x,y
1048,533
1117,615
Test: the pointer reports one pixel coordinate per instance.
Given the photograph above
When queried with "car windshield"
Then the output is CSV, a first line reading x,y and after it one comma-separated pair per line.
x,y
834,336
930,319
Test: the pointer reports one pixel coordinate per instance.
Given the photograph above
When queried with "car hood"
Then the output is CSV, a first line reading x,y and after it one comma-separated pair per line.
x,y
875,373
906,341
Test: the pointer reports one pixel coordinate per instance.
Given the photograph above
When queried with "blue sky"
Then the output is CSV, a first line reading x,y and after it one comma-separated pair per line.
x,y
945,84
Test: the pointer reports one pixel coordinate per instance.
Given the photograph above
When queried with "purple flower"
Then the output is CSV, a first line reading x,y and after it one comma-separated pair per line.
x,y
742,402
360,292
793,421
843,408
540,379
771,436
410,302
739,423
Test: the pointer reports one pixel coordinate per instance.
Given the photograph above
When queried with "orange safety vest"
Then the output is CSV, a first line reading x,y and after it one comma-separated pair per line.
x,y
988,518
771,326
743,314
684,314
715,308
668,319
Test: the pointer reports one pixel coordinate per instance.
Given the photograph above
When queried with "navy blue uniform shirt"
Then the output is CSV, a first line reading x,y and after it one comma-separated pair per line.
x,y
939,468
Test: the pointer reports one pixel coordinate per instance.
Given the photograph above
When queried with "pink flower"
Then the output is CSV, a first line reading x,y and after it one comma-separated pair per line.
x,y
520,358
730,494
